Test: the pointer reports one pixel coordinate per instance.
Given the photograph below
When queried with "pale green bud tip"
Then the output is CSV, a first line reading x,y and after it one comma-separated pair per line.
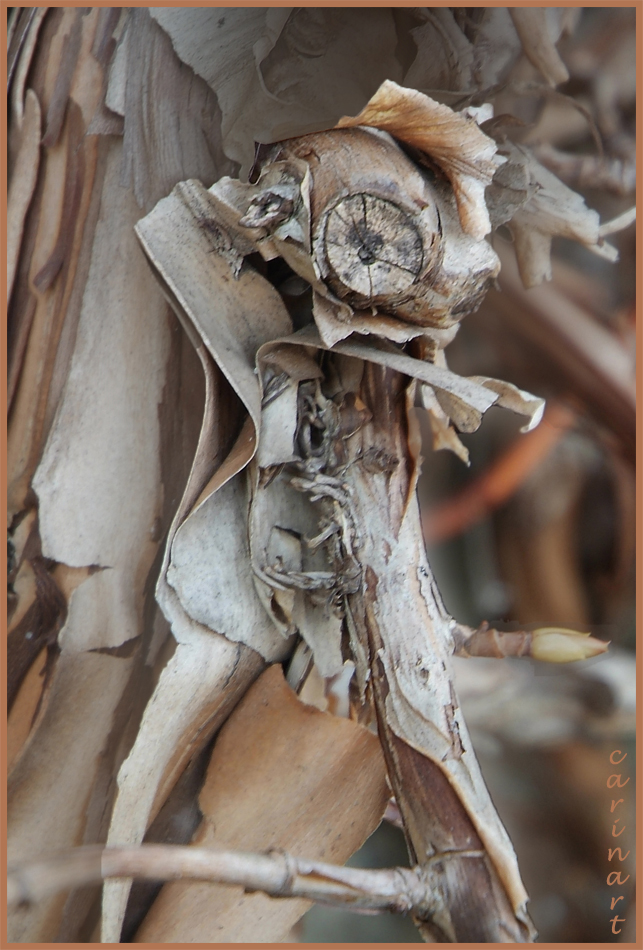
x,y
558,645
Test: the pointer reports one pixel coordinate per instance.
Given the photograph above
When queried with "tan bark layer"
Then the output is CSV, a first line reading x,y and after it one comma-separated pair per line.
x,y
283,775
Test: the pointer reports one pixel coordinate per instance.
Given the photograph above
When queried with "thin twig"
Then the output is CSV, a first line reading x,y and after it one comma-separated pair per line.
x,y
401,890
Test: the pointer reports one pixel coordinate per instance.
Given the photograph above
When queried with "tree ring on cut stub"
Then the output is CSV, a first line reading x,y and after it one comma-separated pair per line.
x,y
374,250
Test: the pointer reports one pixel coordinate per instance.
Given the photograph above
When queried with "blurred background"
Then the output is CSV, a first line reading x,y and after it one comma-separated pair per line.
x,y
540,529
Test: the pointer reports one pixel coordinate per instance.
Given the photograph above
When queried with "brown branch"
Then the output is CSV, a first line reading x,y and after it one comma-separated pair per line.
x,y
401,890
472,902
498,483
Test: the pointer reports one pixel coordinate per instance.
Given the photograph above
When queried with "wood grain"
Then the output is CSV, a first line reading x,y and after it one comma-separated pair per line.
x,y
283,776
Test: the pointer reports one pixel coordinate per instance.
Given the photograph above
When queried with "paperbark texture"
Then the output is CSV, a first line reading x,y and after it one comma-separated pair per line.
x,y
369,483
106,397
282,776
214,385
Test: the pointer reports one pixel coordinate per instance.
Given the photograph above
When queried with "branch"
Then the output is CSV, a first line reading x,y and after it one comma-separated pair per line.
x,y
400,890
495,486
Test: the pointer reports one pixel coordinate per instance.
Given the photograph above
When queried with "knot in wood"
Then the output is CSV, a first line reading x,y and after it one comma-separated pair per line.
x,y
374,250
271,206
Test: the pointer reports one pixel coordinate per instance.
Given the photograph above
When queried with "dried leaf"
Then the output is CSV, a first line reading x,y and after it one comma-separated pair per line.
x,y
510,397
496,46
279,73
444,435
554,210
453,141
511,188
444,54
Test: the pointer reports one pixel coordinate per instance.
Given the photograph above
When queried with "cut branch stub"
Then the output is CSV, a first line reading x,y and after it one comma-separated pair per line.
x,y
376,227
373,248
385,236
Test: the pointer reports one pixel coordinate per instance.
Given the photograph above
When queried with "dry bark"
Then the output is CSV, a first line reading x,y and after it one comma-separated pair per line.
x,y
106,401
129,459
282,777
370,516
437,826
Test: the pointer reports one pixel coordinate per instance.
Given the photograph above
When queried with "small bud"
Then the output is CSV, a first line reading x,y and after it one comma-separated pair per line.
x,y
558,645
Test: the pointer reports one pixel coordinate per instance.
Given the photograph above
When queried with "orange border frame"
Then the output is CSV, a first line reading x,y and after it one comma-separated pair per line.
x,y
638,838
